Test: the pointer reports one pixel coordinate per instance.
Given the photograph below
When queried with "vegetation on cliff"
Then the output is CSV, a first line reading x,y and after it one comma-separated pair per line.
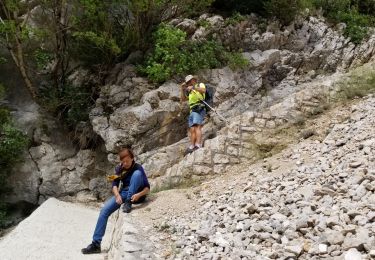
x,y
48,39
12,145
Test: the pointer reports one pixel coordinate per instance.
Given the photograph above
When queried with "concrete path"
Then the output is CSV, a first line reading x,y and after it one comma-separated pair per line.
x,y
56,230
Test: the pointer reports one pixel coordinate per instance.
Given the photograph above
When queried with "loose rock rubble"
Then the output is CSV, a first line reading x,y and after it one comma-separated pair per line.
x,y
321,208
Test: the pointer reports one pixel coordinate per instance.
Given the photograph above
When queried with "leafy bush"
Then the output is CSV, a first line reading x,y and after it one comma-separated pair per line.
x,y
366,6
359,85
284,10
234,19
42,58
332,7
94,31
356,25
71,104
2,60
12,144
236,60
105,47
112,29
357,15
174,55
240,6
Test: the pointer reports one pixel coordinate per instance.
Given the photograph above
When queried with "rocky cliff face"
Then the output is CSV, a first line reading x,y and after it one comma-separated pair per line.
x,y
284,63
316,200
132,111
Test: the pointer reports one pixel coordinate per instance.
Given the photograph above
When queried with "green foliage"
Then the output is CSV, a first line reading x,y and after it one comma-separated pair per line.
x,y
240,6
309,4
195,7
93,31
357,15
105,47
174,55
2,91
12,144
366,6
2,60
11,29
160,66
356,25
359,85
204,24
236,60
284,10
111,29
234,19
42,58
332,7
4,116
71,104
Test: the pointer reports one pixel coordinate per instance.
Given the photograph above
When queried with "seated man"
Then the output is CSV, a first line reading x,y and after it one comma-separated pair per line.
x,y
135,188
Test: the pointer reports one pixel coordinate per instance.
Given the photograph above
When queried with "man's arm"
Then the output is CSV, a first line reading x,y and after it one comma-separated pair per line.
x,y
182,93
201,88
140,194
117,195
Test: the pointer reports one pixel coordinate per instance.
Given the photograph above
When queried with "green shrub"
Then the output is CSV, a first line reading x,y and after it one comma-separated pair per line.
x,y
360,83
42,58
283,10
237,61
234,19
12,145
174,55
366,6
2,60
332,7
71,104
240,6
357,15
2,91
356,25
4,116
358,86
103,45
203,23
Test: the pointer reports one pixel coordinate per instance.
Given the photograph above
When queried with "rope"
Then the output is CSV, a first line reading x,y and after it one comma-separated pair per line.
x,y
168,131
114,226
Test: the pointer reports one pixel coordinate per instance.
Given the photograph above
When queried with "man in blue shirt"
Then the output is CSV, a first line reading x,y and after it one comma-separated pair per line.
x,y
135,188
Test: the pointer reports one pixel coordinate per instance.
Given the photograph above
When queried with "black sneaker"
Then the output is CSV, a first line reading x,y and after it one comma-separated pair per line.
x,y
127,207
93,248
188,150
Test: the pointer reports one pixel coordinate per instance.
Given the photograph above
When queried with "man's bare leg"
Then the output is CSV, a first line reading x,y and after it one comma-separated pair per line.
x,y
193,136
198,134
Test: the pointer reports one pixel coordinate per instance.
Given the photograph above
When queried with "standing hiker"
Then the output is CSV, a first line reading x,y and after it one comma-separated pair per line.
x,y
135,187
195,94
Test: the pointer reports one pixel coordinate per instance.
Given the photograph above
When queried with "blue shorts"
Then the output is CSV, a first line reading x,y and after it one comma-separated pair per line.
x,y
196,118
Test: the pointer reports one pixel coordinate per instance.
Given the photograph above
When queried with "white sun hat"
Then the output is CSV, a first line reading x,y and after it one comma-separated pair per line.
x,y
188,78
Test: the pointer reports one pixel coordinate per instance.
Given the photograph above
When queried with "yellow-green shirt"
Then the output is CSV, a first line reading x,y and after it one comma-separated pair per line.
x,y
196,97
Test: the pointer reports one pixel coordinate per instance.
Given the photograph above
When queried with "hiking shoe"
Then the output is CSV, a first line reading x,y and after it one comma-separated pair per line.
x,y
93,248
127,207
189,150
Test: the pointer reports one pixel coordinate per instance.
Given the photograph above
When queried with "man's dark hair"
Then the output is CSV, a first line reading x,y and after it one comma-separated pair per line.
x,y
126,148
